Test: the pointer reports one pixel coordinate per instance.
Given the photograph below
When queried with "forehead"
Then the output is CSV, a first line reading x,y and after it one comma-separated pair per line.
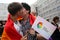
x,y
24,9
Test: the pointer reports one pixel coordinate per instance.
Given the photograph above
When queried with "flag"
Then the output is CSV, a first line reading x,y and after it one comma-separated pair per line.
x,y
10,32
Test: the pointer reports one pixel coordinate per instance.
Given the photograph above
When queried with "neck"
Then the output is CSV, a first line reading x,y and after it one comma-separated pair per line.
x,y
13,18
26,17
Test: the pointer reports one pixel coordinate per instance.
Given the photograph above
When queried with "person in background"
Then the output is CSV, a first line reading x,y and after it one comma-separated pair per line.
x,y
56,34
3,22
33,13
1,28
11,31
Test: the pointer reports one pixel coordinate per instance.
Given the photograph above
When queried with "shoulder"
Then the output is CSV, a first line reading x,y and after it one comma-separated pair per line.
x,y
32,19
8,25
32,16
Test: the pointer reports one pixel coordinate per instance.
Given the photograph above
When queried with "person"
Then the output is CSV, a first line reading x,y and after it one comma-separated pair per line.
x,y
33,13
1,28
3,22
15,10
56,34
27,22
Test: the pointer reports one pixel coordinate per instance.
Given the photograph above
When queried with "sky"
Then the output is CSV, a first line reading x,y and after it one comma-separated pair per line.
x,y
27,1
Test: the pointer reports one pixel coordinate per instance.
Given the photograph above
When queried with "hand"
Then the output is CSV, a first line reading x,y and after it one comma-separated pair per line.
x,y
24,37
31,31
40,37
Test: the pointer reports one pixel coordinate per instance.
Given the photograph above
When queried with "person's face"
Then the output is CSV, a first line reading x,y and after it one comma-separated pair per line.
x,y
22,13
56,20
25,12
19,14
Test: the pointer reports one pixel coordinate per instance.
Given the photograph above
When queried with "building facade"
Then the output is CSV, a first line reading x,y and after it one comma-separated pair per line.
x,y
3,11
48,8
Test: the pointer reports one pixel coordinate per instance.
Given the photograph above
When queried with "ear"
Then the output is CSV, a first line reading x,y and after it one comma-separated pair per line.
x,y
16,14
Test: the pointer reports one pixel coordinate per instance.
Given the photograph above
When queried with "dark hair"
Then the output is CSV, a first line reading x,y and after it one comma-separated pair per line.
x,y
14,7
27,7
55,18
